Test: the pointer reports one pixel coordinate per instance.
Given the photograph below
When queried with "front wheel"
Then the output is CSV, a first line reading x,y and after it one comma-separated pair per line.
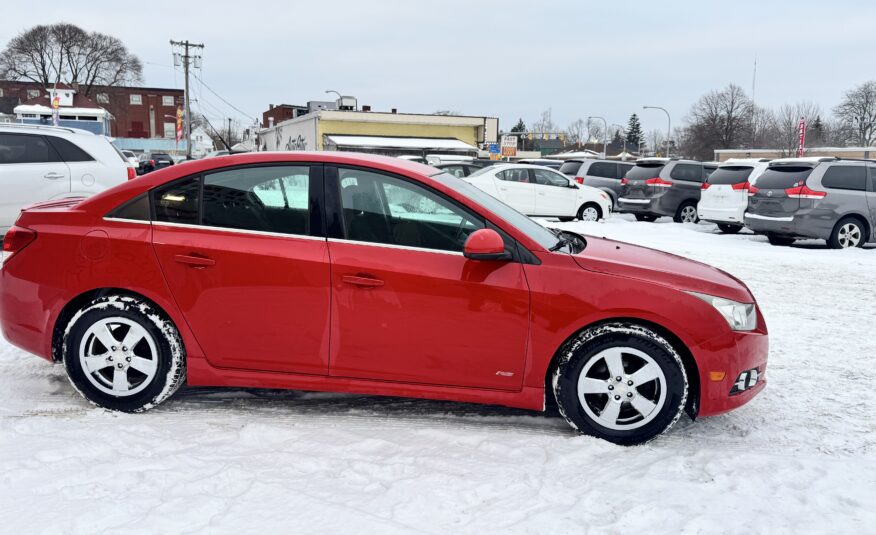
x,y
590,212
687,213
123,354
729,229
622,383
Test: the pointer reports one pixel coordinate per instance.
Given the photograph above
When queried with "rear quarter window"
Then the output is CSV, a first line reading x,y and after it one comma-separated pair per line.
x,y
687,172
68,151
644,172
602,169
570,168
730,175
850,177
783,177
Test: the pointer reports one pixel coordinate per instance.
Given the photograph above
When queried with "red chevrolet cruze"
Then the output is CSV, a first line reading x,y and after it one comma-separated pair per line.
x,y
355,273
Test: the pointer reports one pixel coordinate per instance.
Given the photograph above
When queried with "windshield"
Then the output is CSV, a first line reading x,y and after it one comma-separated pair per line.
x,y
729,175
570,168
781,177
644,172
538,233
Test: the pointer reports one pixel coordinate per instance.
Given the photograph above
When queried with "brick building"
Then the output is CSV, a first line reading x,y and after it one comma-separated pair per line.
x,y
281,112
137,112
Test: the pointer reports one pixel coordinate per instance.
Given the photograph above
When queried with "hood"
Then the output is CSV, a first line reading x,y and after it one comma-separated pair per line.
x,y
636,262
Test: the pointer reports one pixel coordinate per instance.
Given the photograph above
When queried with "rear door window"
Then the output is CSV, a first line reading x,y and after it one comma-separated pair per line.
x,y
602,169
570,168
25,148
687,172
851,177
644,172
622,169
872,171
178,201
783,177
730,175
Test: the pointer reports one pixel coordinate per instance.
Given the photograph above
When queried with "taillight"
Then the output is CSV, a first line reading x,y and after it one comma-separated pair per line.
x,y
131,173
706,185
580,179
803,192
16,239
152,162
752,190
741,186
624,181
659,182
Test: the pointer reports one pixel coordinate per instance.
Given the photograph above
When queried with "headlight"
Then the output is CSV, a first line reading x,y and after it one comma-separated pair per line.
x,y
740,316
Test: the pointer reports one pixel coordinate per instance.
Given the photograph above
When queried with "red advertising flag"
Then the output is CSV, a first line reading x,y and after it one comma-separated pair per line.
x,y
801,146
179,123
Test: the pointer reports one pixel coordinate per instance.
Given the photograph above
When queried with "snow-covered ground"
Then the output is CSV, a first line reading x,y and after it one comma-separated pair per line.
x,y
801,458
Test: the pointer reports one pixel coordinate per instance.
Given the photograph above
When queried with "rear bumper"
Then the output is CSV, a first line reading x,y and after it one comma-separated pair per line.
x,y
732,354
652,206
718,214
25,318
762,224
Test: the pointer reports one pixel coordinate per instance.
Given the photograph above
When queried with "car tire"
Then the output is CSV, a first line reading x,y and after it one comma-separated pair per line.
x,y
589,212
848,233
595,403
646,218
687,213
729,229
781,241
565,219
106,371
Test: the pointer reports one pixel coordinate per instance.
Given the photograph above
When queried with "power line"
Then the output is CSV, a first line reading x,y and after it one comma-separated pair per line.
x,y
238,110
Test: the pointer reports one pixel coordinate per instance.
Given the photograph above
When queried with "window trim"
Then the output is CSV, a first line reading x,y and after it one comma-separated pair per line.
x,y
172,101
852,166
131,99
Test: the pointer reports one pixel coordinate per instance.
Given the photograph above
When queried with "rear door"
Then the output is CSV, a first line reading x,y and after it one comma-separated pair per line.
x,y
553,194
30,171
687,182
725,189
516,189
247,261
871,199
635,188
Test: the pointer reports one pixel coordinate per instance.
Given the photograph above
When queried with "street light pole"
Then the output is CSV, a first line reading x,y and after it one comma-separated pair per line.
x,y
668,124
604,135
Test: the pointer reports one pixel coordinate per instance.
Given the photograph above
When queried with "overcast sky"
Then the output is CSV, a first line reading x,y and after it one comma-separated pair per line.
x,y
507,59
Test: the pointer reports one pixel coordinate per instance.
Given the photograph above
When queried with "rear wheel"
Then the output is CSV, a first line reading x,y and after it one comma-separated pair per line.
x,y
687,213
123,354
848,233
622,383
645,217
729,229
590,212
783,241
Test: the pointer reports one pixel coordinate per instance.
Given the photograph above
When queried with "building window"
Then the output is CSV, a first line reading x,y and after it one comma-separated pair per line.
x,y
33,93
169,130
1,91
136,99
168,100
102,98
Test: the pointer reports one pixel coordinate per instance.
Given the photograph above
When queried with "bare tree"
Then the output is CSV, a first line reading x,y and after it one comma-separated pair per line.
x,y
858,112
788,124
545,123
577,131
719,119
65,53
595,133
655,139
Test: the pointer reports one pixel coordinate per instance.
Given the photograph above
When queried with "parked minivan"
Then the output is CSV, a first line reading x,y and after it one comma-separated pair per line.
x,y
817,197
658,187
603,174
724,196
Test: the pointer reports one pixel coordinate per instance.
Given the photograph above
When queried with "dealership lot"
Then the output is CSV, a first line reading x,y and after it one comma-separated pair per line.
x,y
799,458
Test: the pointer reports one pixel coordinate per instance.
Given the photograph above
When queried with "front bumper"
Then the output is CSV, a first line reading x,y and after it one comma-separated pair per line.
x,y
731,356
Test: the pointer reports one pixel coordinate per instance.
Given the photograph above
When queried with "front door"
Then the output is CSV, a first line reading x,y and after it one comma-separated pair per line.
x,y
30,171
553,196
250,269
406,304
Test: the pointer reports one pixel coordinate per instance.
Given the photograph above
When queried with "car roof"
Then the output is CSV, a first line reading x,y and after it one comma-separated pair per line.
x,y
806,160
45,129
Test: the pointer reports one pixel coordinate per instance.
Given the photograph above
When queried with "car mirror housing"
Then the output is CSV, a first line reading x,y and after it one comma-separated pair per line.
x,y
485,244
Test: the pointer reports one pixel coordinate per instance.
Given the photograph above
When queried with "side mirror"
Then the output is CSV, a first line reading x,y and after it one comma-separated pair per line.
x,y
485,244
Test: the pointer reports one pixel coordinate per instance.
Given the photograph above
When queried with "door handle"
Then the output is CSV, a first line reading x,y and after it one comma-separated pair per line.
x,y
362,282
199,262
504,189
53,176
542,193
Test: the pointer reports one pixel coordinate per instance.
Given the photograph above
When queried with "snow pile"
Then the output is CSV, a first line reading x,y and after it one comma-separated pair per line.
x,y
798,459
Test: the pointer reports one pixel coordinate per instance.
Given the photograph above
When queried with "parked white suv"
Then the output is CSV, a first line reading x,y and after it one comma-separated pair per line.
x,y
724,198
42,163
535,190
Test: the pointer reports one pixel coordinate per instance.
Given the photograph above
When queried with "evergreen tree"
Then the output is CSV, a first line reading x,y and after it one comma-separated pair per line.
x,y
634,131
519,127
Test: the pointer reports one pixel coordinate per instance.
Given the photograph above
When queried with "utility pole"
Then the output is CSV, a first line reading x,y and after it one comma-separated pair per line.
x,y
229,131
186,62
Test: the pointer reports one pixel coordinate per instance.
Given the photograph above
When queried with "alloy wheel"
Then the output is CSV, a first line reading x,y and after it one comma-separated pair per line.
x,y
622,388
118,356
589,213
849,235
689,214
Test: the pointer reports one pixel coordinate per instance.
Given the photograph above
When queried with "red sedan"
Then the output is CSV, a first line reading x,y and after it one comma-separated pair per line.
x,y
356,273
